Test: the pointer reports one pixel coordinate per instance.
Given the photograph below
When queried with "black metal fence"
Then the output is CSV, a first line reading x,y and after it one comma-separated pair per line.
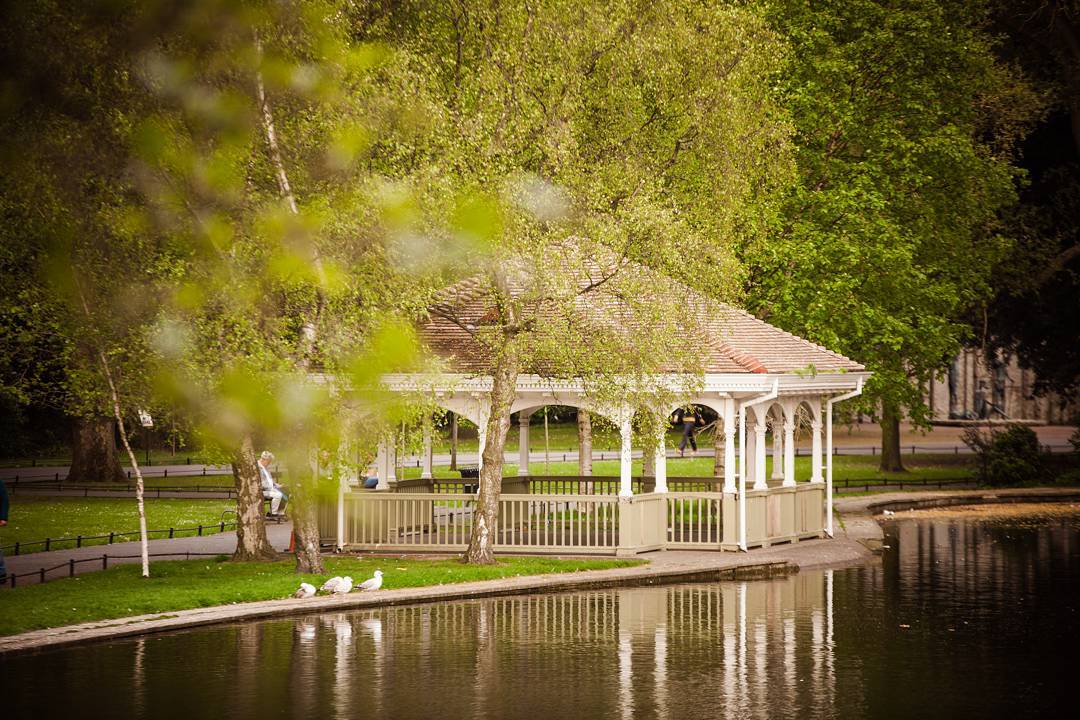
x,y
42,574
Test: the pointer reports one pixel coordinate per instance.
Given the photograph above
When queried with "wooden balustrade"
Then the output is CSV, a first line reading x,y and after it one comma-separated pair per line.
x,y
594,520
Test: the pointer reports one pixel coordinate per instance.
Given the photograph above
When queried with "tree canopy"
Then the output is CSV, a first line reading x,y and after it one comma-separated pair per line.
x,y
906,124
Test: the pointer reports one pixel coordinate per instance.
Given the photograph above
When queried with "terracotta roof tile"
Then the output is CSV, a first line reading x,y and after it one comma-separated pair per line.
x,y
735,341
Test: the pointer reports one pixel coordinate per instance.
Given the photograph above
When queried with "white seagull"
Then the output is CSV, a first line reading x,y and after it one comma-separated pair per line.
x,y
337,585
306,590
373,583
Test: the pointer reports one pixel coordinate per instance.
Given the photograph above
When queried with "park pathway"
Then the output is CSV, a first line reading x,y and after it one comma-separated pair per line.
x,y
128,552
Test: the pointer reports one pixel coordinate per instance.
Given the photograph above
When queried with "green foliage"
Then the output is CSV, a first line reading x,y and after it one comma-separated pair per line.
x,y
1007,457
905,124
179,585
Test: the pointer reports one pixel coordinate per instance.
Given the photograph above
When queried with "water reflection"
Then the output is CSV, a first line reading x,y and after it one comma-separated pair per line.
x,y
956,621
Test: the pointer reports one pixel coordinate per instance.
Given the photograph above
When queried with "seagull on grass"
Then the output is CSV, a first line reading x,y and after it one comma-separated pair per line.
x,y
372,583
337,585
306,590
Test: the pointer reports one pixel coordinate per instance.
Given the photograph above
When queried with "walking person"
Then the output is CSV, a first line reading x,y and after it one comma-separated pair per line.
x,y
689,419
270,489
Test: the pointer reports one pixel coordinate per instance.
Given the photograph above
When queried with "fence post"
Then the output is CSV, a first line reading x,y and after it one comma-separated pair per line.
x,y
166,472
13,576
41,573
200,531
16,547
204,471
110,538
78,541
222,526
47,542
71,567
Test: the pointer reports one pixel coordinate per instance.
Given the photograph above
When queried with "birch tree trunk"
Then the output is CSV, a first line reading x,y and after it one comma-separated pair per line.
x,y
305,521
305,517
119,417
251,541
481,550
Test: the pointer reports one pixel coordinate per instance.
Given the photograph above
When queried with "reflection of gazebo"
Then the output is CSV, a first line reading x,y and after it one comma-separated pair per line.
x,y
756,376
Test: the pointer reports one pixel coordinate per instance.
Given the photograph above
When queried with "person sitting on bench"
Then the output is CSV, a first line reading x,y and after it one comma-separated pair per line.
x,y
271,490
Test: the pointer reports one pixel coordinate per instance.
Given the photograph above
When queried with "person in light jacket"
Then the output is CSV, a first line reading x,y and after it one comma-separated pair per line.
x,y
270,489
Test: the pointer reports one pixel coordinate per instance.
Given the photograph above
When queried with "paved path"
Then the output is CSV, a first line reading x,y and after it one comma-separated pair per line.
x,y
129,552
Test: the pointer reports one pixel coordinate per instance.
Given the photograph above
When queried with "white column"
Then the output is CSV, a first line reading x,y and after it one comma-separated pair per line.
x,y
729,445
748,439
523,444
789,448
777,449
828,469
343,480
381,462
815,451
742,478
425,459
660,460
625,463
759,455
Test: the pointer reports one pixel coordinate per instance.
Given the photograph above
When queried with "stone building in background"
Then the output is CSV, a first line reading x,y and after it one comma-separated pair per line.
x,y
974,389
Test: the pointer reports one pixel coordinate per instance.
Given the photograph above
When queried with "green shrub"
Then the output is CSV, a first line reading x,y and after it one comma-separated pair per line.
x,y
1011,456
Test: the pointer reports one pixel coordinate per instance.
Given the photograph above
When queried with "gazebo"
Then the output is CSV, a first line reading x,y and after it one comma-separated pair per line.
x,y
756,376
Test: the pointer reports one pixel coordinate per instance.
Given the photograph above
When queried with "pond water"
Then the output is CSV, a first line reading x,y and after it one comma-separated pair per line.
x,y
962,617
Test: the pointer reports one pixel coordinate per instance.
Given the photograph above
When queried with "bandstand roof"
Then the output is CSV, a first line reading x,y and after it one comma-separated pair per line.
x,y
731,340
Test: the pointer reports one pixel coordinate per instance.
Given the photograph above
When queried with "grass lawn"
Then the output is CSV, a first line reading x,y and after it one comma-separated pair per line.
x,y
845,467
36,518
182,584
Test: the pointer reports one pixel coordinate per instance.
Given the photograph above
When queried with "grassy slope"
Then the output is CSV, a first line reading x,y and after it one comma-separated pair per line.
x,y
36,518
177,585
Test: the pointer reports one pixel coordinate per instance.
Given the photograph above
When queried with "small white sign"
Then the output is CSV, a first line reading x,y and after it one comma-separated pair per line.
x,y
145,419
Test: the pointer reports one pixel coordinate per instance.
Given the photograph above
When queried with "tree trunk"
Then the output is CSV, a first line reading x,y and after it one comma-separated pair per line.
x,y
302,498
251,541
93,452
481,550
584,436
890,440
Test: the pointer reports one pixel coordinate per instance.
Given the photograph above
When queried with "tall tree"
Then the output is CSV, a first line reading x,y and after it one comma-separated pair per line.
x,y
256,164
63,196
906,127
595,141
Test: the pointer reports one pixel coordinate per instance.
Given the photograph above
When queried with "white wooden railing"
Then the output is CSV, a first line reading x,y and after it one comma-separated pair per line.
x,y
575,523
